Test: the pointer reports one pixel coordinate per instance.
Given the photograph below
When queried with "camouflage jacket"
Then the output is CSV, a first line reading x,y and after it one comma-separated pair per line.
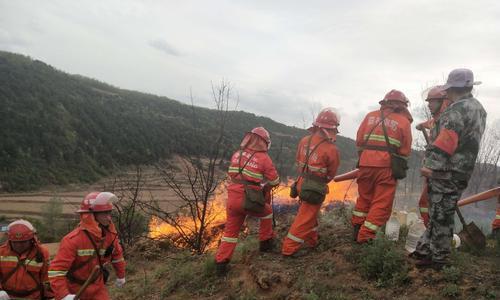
x,y
457,137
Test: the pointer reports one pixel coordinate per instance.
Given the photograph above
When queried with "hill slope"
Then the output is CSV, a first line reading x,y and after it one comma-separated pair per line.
x,y
336,269
59,128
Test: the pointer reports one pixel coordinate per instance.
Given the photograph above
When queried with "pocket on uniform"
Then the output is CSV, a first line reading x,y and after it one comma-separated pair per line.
x,y
254,200
313,191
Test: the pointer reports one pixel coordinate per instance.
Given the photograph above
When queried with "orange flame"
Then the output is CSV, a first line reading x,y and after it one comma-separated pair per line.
x,y
216,211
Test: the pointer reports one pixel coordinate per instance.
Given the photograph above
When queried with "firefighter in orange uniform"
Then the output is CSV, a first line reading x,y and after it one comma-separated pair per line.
x,y
437,103
495,226
384,135
93,243
317,161
24,263
250,167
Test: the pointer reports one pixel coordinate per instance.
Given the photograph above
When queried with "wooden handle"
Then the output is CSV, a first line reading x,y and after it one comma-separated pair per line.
x,y
347,176
495,192
92,277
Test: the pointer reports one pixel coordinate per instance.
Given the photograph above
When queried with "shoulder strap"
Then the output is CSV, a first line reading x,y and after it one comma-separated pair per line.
x,y
308,154
390,149
382,118
240,168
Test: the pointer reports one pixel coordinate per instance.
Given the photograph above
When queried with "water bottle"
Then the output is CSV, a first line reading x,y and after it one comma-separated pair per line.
x,y
392,228
414,234
411,218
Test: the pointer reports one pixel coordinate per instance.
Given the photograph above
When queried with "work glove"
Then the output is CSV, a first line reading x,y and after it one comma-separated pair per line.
x,y
69,297
4,296
120,282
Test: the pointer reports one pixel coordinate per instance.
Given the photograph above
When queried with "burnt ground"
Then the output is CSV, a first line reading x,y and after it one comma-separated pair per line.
x,y
334,270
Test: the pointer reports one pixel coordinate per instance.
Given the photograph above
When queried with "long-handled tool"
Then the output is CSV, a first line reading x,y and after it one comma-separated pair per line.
x,y
494,192
92,277
470,234
347,176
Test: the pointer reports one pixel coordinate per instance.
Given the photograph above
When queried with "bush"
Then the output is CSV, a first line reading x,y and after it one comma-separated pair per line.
x,y
451,290
380,260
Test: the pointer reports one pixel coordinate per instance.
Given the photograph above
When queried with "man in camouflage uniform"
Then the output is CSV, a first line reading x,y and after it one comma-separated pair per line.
x,y
448,165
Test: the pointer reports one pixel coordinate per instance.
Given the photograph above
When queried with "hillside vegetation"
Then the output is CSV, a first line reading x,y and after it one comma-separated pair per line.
x,y
337,269
59,128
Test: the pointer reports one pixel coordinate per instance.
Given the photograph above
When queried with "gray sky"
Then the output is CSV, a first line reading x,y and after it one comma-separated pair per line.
x,y
283,58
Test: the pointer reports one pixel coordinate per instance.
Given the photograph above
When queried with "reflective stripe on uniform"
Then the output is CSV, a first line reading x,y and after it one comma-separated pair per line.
x,y
57,273
497,217
381,138
424,210
294,238
229,239
359,213
315,169
371,226
117,260
15,260
270,216
8,258
89,252
33,263
275,181
246,172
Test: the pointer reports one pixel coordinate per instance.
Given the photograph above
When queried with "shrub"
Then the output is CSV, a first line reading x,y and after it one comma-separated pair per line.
x,y
451,290
380,260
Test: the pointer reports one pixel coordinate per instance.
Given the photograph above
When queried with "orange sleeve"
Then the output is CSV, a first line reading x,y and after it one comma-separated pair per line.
x,y
333,163
59,268
47,291
360,136
270,172
117,259
406,140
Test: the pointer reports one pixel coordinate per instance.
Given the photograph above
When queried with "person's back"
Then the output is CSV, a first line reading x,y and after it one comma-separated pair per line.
x,y
461,127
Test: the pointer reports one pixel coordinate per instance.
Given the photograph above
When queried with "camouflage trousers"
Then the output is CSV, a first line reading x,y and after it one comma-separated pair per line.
x,y
435,243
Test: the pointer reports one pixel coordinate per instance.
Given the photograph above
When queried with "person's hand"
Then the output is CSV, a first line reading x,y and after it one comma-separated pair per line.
x,y
120,282
426,172
4,296
69,297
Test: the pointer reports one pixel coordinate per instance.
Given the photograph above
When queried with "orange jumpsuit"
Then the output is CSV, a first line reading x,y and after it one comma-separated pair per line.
x,y
496,221
323,163
24,276
376,186
257,170
76,259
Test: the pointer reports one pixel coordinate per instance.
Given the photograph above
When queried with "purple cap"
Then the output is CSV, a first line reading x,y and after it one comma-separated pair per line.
x,y
460,78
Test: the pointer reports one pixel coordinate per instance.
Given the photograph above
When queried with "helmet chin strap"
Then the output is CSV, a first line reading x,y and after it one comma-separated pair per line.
x,y
327,134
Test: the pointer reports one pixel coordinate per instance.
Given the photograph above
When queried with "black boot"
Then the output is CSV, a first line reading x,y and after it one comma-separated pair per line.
x,y
355,231
221,268
266,246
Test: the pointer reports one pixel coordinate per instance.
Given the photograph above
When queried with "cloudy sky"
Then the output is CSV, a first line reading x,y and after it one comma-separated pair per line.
x,y
284,59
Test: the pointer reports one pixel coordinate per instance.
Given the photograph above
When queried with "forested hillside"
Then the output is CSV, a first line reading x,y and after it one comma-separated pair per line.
x,y
58,128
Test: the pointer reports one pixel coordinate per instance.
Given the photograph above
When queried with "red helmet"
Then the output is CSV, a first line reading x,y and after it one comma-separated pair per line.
x,y
20,230
396,95
436,92
327,119
262,132
97,202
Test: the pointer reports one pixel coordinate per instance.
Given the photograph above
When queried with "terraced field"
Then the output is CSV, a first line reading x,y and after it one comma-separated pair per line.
x,y
14,205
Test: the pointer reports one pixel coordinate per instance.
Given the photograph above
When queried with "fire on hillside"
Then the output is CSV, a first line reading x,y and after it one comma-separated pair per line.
x,y
339,193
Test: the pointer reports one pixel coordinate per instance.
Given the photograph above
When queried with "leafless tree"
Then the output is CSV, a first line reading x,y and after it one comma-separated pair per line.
x,y
128,217
194,180
486,168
